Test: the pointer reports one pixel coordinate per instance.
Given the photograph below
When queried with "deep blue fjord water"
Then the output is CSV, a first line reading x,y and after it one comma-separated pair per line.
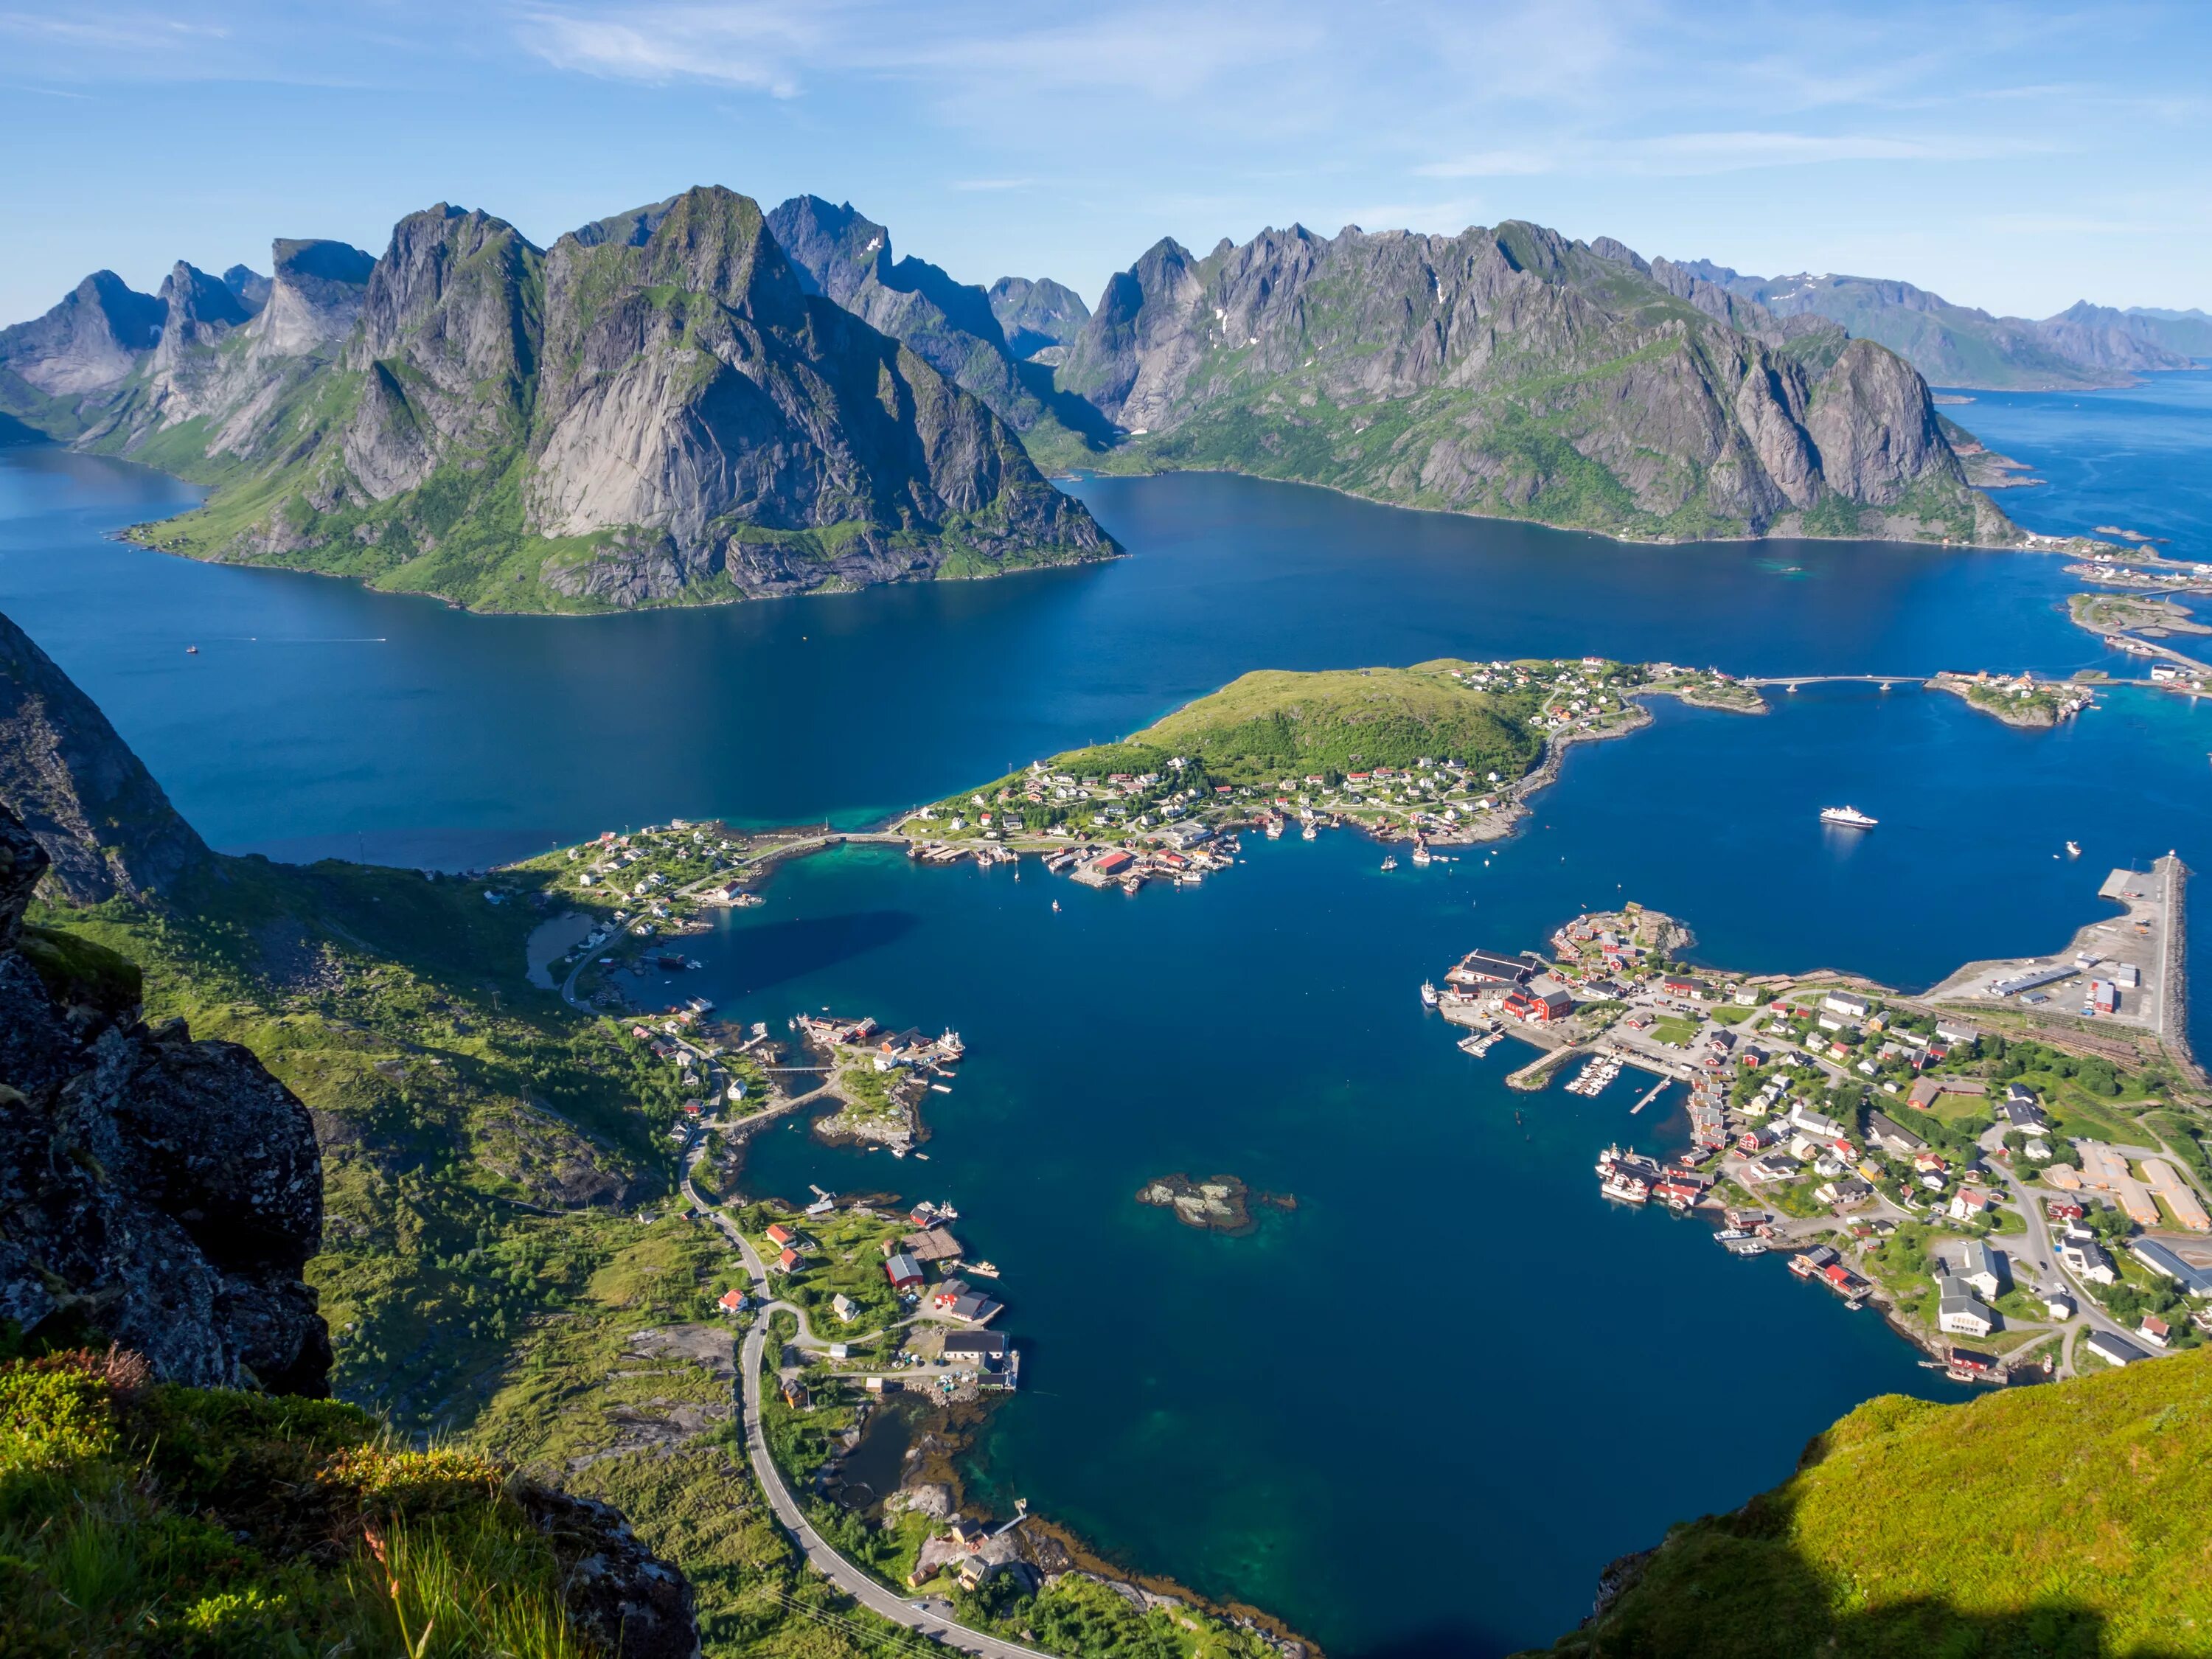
x,y
1420,1412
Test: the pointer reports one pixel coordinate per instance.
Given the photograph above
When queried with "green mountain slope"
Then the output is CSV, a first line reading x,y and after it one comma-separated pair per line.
x,y
2065,1520
1514,373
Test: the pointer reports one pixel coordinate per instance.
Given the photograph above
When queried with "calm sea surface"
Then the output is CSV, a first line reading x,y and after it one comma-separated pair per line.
x,y
1418,1413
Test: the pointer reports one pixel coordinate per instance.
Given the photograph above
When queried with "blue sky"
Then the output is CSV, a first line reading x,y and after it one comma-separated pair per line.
x,y
2016,157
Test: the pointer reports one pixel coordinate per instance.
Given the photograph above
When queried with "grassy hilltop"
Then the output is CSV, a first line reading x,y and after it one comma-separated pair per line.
x,y
2062,1521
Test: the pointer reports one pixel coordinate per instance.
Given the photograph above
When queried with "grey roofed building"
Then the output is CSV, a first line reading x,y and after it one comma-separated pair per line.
x,y
1981,1266
2161,1259
1962,1310
1892,1136
974,1345
2116,1350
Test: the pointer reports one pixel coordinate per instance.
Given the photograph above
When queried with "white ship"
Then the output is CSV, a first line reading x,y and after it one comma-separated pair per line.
x,y
1849,817
1428,994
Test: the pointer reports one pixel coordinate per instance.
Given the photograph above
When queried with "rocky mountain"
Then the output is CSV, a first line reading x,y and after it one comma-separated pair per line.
x,y
954,326
2186,331
1037,316
107,829
1958,345
662,408
1511,371
163,1193
2185,334
57,367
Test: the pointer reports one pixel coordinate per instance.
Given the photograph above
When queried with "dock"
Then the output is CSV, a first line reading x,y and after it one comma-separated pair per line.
x,y
1650,1095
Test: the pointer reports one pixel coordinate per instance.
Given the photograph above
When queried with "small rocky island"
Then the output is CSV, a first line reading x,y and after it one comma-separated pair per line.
x,y
1222,1203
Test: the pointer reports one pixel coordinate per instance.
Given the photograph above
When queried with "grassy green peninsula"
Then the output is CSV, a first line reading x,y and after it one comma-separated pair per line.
x,y
1449,747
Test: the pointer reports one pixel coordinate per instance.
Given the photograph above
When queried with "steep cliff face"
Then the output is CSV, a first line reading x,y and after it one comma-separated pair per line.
x,y
160,1193
953,326
663,408
699,402
1513,371
107,828
1036,316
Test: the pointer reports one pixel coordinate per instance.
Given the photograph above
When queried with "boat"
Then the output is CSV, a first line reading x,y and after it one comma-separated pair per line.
x,y
1309,833
192,651
1275,829
2073,849
1390,861
1130,886
1848,817
1626,1187
1428,994
1055,905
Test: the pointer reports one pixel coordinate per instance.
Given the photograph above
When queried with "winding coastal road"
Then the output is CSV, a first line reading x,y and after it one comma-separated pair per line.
x,y
918,1616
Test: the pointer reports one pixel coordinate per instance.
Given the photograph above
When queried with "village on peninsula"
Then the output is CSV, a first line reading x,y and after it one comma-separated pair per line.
x,y
2003,1165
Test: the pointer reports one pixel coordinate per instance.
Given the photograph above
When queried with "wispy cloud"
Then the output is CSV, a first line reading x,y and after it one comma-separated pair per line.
x,y
763,46
1690,154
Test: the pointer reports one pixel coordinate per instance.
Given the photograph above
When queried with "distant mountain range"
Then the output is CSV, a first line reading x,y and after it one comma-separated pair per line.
x,y
660,407
697,400
2084,345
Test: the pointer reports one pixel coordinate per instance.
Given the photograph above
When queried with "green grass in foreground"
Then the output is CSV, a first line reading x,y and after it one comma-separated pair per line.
x,y
164,1521
2059,1520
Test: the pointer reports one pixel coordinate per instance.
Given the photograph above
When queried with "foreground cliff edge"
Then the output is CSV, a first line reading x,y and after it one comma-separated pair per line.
x,y
2062,1520
158,1493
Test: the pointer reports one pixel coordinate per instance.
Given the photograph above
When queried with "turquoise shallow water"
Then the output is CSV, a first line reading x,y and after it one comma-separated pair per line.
x,y
1420,1412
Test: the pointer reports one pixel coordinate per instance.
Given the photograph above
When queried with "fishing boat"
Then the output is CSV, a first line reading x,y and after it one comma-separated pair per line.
x,y
192,651
1309,833
1275,829
1055,905
1131,885
1390,861
1428,994
1847,818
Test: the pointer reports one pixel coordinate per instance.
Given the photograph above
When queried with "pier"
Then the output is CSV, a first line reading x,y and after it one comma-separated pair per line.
x,y
1650,1095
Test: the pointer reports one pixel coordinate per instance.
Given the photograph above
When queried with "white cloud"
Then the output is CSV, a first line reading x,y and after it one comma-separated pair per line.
x,y
761,45
1690,154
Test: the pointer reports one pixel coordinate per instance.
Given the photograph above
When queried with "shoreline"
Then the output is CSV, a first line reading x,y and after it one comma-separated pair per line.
x,y
2031,541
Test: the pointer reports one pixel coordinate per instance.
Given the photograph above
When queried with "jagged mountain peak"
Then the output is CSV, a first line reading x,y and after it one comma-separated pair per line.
x,y
1510,368
1036,315
250,287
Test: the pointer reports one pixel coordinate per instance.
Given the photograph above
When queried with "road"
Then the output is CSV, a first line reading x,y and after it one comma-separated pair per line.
x,y
918,1616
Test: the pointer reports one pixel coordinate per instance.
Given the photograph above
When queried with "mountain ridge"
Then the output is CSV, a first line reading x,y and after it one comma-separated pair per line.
x,y
1514,373
653,411
2084,346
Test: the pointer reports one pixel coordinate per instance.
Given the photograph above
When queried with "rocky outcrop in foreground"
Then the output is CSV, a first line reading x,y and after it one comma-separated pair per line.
x,y
158,1192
